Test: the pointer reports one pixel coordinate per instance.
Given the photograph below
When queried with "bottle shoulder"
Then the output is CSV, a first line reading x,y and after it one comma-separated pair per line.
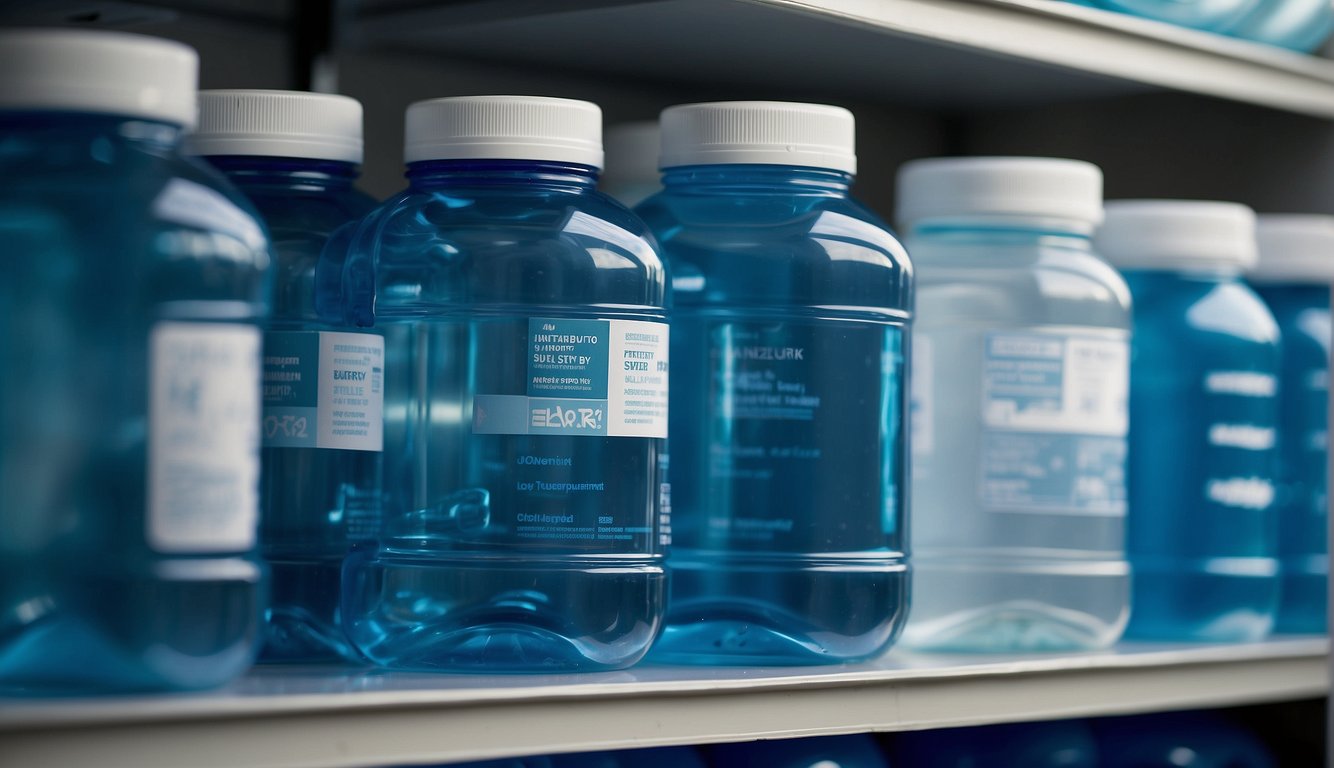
x,y
1215,311
521,246
779,249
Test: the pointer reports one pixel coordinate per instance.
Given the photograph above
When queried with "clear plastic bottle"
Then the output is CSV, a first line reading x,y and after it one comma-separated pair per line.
x,y
525,399
1300,25
1293,276
857,750
1208,15
1019,418
1203,409
1178,740
789,338
135,284
295,156
1057,744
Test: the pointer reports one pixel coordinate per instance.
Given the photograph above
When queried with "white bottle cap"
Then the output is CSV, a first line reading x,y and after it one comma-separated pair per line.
x,y
1174,235
504,128
1000,190
318,126
79,70
1294,248
759,133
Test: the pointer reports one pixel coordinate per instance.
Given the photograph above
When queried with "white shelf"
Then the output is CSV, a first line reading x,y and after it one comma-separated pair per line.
x,y
946,53
296,717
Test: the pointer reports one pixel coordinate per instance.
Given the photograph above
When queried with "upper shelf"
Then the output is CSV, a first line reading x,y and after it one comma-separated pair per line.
x,y
284,718
937,53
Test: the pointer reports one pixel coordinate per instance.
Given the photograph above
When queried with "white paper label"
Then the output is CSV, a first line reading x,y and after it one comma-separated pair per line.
x,y
203,437
324,389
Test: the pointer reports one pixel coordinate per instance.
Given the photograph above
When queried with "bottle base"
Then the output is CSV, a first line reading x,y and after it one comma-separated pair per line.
x,y
458,614
1302,608
79,629
781,611
1222,600
302,623
1029,606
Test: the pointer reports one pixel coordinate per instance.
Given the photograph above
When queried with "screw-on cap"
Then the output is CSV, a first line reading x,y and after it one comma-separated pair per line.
x,y
318,126
69,70
1177,235
1065,193
504,128
1294,248
759,133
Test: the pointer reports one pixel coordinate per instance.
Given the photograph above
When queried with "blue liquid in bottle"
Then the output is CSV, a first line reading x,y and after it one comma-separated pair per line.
x,y
789,335
295,156
1298,25
1293,276
135,284
1203,408
1178,740
525,400
1059,744
1020,381
852,751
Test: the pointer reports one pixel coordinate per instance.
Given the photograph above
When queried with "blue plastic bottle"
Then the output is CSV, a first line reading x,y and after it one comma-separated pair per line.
x,y
1208,15
525,399
852,751
1203,410
1293,276
661,757
1300,25
1058,744
790,331
1019,418
295,156
135,283
1178,740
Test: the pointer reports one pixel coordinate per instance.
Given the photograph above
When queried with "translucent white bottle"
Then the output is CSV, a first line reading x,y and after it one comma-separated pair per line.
x,y
1019,417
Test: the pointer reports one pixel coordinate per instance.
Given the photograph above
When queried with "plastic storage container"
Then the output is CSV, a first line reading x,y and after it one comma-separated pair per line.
x,y
1293,276
632,162
789,337
1058,744
1178,740
1301,25
1020,368
1203,412
135,283
852,751
525,399
295,156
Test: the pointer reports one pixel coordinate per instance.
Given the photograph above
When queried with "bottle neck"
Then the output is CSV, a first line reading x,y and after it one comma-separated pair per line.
x,y
757,179
144,133
436,174
306,174
1001,234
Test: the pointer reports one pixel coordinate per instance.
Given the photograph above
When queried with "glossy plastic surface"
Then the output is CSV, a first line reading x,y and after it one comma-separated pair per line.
x,y
1178,740
852,751
1302,504
317,502
464,266
1018,532
108,234
1300,25
1058,744
1204,414
789,338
